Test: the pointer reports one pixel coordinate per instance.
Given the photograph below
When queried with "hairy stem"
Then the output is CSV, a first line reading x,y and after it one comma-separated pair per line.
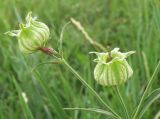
x,y
90,88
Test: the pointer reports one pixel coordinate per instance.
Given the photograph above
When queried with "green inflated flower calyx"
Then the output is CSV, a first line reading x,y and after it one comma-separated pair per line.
x,y
32,36
112,67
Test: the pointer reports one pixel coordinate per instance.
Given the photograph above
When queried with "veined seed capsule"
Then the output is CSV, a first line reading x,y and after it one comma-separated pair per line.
x,y
32,36
112,67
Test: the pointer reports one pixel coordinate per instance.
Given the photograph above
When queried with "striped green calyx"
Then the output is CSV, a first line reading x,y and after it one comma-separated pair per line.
x,y
112,67
32,36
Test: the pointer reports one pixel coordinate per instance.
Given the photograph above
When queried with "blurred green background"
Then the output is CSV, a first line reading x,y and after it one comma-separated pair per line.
x,y
127,24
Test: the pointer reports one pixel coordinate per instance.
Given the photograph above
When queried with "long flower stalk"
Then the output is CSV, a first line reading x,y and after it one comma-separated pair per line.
x,y
90,88
122,102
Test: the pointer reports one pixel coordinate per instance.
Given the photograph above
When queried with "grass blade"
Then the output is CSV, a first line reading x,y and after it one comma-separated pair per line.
x,y
148,101
93,110
25,107
56,105
146,90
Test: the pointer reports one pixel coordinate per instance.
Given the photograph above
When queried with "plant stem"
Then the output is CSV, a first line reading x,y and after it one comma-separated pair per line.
x,y
122,102
90,88
146,90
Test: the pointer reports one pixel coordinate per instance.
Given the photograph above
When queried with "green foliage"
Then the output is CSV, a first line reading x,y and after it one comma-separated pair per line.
x,y
128,24
25,108
149,100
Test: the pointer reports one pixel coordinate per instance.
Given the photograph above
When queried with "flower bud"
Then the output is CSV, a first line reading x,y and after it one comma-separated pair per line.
x,y
32,36
112,67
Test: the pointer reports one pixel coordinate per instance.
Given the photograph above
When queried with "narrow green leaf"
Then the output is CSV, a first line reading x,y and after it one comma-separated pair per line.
x,y
148,101
1,109
100,111
146,90
56,105
25,107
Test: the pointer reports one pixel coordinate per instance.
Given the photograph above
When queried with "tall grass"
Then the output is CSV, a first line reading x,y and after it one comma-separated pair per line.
x,y
133,25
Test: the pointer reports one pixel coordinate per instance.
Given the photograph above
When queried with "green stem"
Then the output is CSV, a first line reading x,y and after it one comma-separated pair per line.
x,y
61,39
146,90
122,102
90,88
